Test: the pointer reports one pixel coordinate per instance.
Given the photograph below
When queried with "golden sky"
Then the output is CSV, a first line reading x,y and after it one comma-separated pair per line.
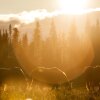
x,y
16,6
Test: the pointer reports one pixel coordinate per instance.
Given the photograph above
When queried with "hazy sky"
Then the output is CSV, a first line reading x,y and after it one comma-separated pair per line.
x,y
16,6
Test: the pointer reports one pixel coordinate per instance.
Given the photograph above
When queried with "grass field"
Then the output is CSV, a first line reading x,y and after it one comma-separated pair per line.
x,y
44,92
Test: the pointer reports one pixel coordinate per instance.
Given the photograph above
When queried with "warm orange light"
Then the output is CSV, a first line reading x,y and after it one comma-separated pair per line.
x,y
73,6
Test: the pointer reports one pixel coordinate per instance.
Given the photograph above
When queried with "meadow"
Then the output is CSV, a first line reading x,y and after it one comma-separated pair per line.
x,y
45,92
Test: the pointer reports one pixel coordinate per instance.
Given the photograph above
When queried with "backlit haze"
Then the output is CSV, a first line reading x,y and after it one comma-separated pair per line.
x,y
23,14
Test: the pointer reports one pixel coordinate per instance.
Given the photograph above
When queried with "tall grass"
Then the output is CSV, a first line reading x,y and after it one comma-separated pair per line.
x,y
44,92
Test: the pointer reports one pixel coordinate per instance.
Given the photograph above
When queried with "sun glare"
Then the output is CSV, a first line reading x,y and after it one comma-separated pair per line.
x,y
73,6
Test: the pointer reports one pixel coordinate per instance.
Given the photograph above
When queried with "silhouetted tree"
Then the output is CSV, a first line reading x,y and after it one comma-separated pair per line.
x,y
1,49
4,47
36,46
15,48
25,41
62,47
10,32
96,43
10,29
72,49
25,46
15,37
51,45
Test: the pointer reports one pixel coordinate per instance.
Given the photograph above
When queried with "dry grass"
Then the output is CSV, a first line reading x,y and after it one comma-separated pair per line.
x,y
39,92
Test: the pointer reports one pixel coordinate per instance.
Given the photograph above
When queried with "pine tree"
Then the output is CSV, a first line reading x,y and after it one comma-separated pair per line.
x,y
36,46
51,56
25,46
1,49
25,41
62,44
10,29
96,43
15,37
10,33
4,48
86,43
15,48
72,50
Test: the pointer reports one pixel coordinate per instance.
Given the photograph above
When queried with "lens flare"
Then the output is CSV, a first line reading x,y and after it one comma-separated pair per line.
x,y
73,6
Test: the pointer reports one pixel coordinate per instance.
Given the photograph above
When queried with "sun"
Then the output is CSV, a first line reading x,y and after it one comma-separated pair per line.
x,y
73,6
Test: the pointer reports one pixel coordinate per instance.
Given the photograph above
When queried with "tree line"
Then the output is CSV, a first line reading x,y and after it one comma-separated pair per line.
x,y
55,51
